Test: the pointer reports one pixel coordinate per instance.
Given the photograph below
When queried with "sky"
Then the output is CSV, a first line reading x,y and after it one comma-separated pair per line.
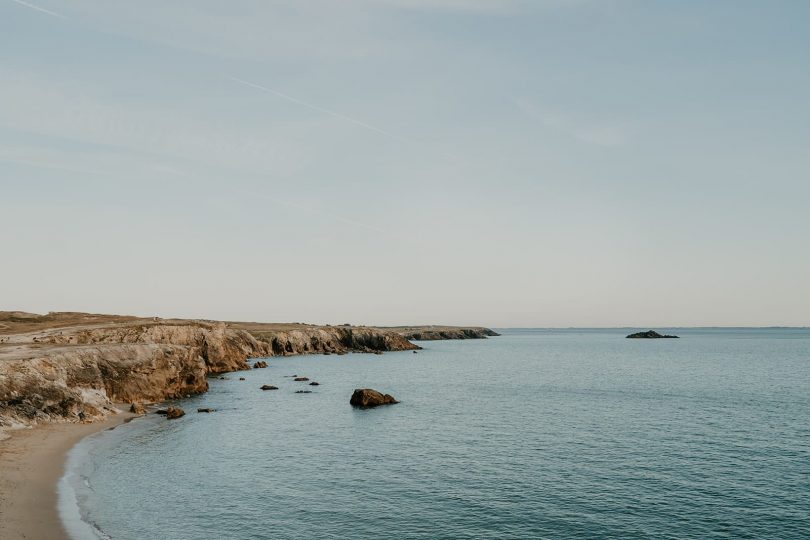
x,y
490,162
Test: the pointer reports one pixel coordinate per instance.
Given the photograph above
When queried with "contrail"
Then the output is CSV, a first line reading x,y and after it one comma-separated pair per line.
x,y
317,108
41,10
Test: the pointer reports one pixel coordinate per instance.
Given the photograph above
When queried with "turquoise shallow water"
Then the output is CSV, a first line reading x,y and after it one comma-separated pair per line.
x,y
535,434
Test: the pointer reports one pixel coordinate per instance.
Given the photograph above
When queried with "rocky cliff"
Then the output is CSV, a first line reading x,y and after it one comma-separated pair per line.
x,y
75,366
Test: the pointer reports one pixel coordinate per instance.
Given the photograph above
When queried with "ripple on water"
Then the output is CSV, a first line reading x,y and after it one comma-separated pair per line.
x,y
536,434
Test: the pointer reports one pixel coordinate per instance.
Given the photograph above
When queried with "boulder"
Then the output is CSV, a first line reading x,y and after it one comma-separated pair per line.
x,y
164,412
301,379
313,383
366,397
649,334
206,410
241,378
269,387
260,364
137,408
303,391
174,412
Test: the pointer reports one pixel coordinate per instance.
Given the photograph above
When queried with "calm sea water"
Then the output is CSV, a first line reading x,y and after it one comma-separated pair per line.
x,y
535,434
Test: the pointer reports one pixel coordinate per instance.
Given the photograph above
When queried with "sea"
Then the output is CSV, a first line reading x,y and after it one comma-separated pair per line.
x,y
538,433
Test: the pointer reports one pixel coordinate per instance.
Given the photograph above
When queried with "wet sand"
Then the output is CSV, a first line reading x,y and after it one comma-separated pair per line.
x,y
31,463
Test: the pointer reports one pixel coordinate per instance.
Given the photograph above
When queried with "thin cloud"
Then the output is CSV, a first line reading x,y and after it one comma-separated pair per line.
x,y
317,108
40,9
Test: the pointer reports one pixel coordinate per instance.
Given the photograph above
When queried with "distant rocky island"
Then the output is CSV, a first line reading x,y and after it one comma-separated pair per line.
x,y
650,334
75,366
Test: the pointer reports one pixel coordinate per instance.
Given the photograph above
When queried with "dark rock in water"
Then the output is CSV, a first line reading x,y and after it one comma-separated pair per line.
x,y
164,412
326,353
223,378
649,334
137,408
303,391
206,410
415,352
366,397
260,364
241,378
313,383
174,412
301,379
269,387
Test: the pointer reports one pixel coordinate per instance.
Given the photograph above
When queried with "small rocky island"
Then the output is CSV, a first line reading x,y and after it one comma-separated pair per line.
x,y
366,398
649,334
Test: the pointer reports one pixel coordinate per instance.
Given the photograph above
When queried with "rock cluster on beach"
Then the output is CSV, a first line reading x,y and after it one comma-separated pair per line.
x,y
650,334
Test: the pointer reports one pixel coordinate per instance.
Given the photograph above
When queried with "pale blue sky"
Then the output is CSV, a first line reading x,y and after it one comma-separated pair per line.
x,y
508,163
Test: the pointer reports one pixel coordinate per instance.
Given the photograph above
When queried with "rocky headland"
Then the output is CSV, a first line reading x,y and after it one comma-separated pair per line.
x,y
75,366
432,333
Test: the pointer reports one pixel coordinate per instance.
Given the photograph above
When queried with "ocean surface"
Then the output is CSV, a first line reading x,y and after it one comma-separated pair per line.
x,y
559,434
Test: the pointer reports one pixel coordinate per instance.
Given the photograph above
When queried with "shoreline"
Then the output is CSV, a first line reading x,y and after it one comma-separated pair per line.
x,y
32,462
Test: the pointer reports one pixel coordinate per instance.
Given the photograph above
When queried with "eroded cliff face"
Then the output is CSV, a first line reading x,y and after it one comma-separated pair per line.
x,y
82,383
76,373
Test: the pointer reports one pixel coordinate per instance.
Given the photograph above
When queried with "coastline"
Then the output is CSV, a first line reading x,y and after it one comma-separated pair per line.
x,y
32,462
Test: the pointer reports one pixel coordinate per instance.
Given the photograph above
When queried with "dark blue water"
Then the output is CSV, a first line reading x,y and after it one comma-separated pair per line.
x,y
535,434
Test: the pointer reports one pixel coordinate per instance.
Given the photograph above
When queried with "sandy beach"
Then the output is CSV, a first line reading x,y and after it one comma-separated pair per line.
x,y
31,463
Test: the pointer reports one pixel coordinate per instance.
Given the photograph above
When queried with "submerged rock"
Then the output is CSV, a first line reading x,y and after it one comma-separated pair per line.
x,y
206,410
260,364
137,408
301,379
366,397
649,334
269,387
303,391
163,412
174,412
313,383
241,378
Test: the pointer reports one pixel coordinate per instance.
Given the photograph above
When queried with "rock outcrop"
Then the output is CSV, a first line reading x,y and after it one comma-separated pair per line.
x,y
137,408
650,334
172,413
366,397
